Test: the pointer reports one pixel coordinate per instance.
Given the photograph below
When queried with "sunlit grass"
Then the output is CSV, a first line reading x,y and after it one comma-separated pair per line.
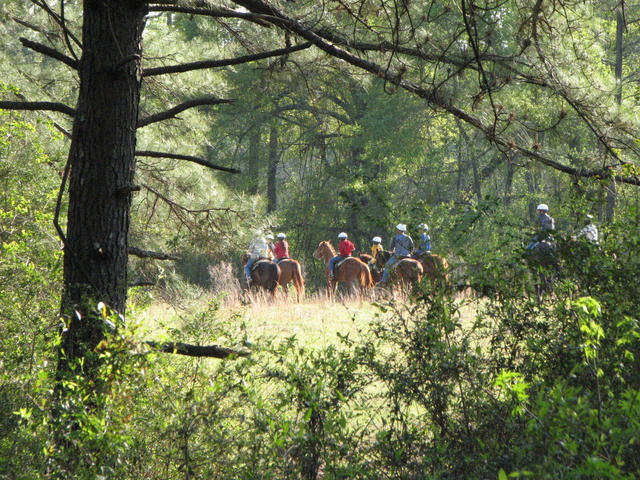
x,y
314,322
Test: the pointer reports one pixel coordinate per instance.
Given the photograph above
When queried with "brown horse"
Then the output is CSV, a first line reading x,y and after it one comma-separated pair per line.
x,y
408,271
376,274
291,271
352,271
436,268
265,274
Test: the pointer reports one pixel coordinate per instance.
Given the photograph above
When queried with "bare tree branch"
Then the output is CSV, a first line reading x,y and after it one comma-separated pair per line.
x,y
213,12
50,52
212,351
138,252
57,19
31,26
190,158
187,67
172,112
141,283
48,106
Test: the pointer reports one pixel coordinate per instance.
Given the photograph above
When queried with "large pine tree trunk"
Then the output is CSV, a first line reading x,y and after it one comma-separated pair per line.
x,y
102,164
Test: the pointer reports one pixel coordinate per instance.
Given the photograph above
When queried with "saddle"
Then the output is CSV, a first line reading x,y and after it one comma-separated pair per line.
x,y
258,262
340,262
400,259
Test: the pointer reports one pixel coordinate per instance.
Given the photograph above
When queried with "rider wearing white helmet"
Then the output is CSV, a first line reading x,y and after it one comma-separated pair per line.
x,y
281,250
375,248
271,246
425,242
345,249
544,225
401,246
589,231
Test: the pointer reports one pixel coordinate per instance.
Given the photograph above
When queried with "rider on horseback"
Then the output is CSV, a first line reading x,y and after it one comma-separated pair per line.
x,y
589,231
425,242
375,248
281,250
544,226
401,246
271,246
258,248
345,249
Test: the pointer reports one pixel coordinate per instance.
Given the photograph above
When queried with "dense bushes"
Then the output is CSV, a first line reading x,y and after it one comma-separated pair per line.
x,y
437,388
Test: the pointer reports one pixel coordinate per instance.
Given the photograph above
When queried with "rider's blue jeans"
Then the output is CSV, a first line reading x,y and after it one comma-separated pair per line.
x,y
247,267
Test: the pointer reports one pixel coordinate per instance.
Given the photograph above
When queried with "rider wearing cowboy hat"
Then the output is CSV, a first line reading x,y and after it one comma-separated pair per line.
x,y
345,249
401,246
258,249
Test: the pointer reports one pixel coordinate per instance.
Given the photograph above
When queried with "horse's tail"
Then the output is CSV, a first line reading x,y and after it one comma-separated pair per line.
x,y
417,267
298,281
275,280
366,280
444,265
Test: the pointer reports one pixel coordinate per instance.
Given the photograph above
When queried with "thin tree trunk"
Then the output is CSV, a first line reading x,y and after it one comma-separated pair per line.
x,y
508,181
472,159
253,168
531,187
272,169
612,190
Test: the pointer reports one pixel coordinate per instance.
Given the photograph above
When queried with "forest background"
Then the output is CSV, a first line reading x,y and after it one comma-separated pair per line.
x,y
464,115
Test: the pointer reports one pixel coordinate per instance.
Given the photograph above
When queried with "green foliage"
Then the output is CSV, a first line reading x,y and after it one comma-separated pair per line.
x,y
30,274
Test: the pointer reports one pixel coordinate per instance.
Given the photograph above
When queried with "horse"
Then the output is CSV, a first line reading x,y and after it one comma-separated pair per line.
x,y
352,271
407,270
291,271
376,274
543,262
436,268
265,274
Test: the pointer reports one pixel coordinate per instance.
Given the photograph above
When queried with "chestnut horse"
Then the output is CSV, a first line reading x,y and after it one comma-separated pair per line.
x,y
407,270
265,274
291,271
436,268
376,274
351,271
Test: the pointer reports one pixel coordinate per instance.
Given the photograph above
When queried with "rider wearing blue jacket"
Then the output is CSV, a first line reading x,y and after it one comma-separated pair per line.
x,y
425,242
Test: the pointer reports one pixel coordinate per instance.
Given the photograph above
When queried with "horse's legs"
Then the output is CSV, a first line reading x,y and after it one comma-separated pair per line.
x,y
297,283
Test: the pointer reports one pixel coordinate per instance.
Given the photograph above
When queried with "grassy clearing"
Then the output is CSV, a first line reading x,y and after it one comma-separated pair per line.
x,y
315,322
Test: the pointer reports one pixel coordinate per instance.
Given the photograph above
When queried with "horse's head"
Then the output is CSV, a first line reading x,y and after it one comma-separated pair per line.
x,y
245,259
324,249
382,256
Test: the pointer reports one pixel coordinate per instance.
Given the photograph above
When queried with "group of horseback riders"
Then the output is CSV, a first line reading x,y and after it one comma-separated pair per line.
x,y
402,245
264,247
545,225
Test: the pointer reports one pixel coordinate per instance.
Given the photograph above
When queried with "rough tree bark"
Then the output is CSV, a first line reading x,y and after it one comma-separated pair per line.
x,y
102,165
